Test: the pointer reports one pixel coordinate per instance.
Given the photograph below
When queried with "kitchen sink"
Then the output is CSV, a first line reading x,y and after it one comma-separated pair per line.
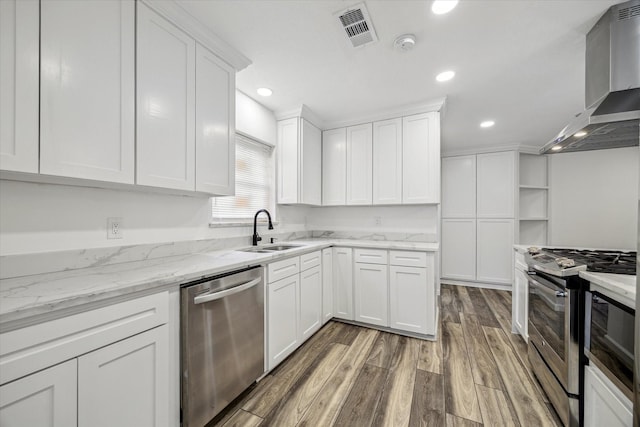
x,y
270,248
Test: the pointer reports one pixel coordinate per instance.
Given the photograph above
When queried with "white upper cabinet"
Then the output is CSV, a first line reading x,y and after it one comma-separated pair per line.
x,y
310,164
334,167
166,107
299,162
459,187
215,124
387,162
19,62
87,90
359,164
421,158
496,185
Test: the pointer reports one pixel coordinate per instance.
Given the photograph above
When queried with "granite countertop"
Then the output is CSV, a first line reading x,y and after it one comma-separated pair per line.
x,y
620,287
41,294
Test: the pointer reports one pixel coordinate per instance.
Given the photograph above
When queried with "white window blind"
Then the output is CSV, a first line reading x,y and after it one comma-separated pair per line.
x,y
254,183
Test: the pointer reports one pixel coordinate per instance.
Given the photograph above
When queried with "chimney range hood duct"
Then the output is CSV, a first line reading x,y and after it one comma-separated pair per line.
x,y
612,90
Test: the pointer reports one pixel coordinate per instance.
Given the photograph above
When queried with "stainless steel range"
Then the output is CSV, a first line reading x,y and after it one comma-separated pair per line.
x,y
556,319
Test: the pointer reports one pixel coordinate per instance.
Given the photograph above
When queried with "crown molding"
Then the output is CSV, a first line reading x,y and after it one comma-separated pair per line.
x,y
304,112
483,150
178,15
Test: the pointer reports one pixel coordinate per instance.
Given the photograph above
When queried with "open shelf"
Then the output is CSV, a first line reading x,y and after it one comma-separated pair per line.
x,y
533,196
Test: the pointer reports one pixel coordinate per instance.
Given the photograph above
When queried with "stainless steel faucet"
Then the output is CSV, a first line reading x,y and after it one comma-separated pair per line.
x,y
256,236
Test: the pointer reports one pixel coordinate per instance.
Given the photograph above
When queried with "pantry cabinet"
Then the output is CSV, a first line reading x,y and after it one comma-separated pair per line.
x,y
334,167
165,151
343,283
458,248
494,248
459,187
215,124
23,401
496,185
359,164
421,158
387,162
299,147
19,68
87,106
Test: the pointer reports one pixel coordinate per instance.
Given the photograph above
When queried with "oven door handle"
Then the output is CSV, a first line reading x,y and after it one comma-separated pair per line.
x,y
550,290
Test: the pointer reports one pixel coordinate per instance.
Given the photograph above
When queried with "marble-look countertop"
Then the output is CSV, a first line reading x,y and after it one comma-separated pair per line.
x,y
620,287
41,294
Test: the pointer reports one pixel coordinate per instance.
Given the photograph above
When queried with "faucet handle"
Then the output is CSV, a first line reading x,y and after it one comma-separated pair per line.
x,y
274,239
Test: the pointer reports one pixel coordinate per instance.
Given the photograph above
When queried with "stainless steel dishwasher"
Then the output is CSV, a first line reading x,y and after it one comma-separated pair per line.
x,y
222,341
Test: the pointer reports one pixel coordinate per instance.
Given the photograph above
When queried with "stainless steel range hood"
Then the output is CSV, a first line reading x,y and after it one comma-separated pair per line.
x,y
612,90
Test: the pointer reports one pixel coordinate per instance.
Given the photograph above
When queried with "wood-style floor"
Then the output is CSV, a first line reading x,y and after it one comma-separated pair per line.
x,y
477,373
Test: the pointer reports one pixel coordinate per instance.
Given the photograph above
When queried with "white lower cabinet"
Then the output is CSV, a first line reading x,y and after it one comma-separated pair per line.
x,y
520,299
310,302
283,318
125,383
327,284
46,398
343,283
493,250
371,293
412,299
604,404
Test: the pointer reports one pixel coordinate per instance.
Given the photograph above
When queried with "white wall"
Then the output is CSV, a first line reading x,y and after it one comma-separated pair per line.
x,y
593,198
255,120
402,219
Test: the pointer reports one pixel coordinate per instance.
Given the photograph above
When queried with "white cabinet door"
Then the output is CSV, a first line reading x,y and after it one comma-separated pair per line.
x,y
282,321
520,301
359,164
46,398
412,299
287,147
421,158
334,167
343,283
387,162
458,249
494,260
371,293
310,302
459,187
125,384
604,404
87,89
19,78
215,124
327,284
165,145
496,185
310,164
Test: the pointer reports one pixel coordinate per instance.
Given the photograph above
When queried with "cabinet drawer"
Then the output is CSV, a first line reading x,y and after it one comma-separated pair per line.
x,y
371,256
310,260
39,346
408,259
281,269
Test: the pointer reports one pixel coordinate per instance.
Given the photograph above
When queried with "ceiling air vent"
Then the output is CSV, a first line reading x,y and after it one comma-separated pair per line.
x,y
356,24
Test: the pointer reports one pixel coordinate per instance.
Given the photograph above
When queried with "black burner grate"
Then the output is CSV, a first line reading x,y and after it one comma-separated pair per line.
x,y
600,261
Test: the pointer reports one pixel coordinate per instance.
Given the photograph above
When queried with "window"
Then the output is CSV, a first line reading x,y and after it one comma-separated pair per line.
x,y
254,183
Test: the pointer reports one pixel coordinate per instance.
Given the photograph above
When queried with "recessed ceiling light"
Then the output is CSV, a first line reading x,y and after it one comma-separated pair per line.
x,y
556,147
579,134
445,75
440,7
487,124
264,91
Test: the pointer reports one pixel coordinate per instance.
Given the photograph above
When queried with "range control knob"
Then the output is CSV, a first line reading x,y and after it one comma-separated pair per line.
x,y
565,262
533,250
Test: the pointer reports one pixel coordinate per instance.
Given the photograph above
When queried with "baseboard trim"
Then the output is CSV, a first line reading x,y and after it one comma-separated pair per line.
x,y
500,287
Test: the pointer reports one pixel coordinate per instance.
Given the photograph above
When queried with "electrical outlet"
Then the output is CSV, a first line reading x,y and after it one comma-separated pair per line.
x,y
114,228
377,220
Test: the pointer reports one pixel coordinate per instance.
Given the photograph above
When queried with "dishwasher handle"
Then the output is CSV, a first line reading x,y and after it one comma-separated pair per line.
x,y
212,296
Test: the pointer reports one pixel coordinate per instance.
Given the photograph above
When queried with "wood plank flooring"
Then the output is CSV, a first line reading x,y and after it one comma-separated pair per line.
x,y
477,373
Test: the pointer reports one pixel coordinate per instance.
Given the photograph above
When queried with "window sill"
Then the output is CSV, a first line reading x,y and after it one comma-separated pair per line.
x,y
249,223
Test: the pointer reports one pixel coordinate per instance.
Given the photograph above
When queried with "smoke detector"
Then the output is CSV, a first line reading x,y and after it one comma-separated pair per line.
x,y
356,25
405,42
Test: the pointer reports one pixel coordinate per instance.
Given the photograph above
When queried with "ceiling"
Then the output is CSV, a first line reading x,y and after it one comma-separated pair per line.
x,y
518,62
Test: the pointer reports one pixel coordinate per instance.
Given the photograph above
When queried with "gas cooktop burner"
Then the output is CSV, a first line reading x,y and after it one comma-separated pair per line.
x,y
599,261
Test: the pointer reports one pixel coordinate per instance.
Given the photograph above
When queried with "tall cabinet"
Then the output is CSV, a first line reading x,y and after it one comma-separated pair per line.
x,y
478,213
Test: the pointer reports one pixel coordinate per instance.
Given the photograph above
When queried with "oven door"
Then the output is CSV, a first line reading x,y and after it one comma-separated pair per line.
x,y
551,306
609,339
